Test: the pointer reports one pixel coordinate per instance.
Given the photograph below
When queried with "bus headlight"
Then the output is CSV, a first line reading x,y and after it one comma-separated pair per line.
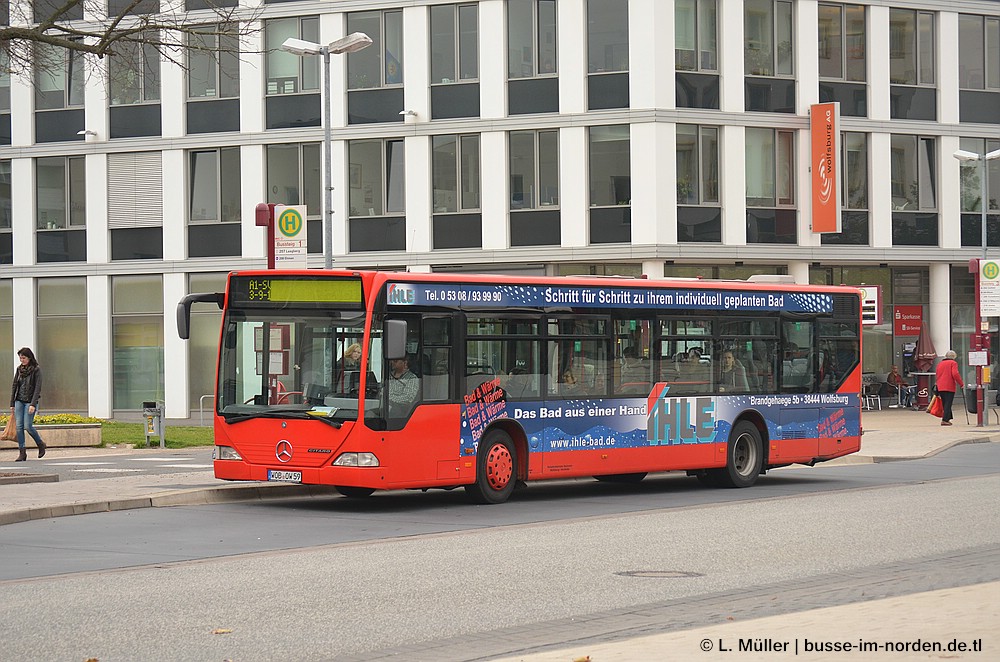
x,y
226,453
356,460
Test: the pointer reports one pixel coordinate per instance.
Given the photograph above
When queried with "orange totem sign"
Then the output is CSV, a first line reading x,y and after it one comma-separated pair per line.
x,y
824,124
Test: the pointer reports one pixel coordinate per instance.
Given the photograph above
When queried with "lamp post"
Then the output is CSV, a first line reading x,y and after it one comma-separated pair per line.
x,y
981,159
350,44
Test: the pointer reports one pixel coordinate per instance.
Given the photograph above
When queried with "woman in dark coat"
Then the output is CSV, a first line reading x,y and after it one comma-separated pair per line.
x,y
24,394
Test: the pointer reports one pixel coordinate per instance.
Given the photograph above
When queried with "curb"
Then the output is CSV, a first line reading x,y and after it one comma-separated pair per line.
x,y
28,478
191,497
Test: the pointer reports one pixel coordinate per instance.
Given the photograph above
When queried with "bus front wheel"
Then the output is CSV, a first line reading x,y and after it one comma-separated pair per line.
x,y
744,457
496,469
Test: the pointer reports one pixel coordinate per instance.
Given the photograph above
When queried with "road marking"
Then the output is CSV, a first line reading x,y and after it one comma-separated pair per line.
x,y
185,466
108,470
158,459
75,464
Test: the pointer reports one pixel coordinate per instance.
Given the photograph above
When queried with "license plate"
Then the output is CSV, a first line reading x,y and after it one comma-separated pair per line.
x,y
284,476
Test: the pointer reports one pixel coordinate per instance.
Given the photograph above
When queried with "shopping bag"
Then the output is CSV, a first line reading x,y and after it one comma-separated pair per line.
x,y
9,431
935,407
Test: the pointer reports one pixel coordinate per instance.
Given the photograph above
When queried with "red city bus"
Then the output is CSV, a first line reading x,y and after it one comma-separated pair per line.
x,y
369,380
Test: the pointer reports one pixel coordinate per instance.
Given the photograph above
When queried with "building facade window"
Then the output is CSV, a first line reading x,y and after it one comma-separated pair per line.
x,y
534,187
979,57
381,64
842,42
768,45
293,178
607,55
4,81
696,35
532,85
913,181
61,193
979,69
454,43
854,216
770,186
455,176
696,54
699,215
531,38
6,202
456,182
214,206
44,10
610,184
607,37
377,180
62,341
59,78
287,73
768,56
136,340
7,326
377,177
911,47
970,176
842,58
534,169
213,63
770,167
134,73
215,185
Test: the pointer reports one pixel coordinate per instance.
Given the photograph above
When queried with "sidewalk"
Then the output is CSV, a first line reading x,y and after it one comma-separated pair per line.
x,y
960,614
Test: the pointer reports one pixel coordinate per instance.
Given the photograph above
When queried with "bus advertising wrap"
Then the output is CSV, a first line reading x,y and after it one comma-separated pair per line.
x,y
658,420
468,296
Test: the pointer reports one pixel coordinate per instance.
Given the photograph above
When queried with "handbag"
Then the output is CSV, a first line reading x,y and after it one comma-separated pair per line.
x,y
935,407
9,430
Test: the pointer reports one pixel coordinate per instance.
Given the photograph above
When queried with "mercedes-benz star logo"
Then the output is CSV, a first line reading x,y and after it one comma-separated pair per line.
x,y
283,451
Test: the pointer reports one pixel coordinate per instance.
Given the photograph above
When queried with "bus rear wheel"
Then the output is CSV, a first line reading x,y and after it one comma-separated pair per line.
x,y
355,492
496,469
744,457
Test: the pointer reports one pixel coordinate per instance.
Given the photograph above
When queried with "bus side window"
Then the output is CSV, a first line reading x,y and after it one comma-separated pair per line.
x,y
435,358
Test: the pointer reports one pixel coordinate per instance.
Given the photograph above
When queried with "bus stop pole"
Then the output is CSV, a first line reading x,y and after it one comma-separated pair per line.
x,y
264,216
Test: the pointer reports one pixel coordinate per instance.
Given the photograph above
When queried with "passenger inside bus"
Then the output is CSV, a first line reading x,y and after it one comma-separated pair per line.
x,y
732,376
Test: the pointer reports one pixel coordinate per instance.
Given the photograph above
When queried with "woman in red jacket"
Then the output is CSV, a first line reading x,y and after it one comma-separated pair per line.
x,y
946,379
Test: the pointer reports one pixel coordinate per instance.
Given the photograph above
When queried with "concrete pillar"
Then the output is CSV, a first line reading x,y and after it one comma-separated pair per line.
x,y
654,174
574,198
174,216
175,371
571,17
733,183
651,55
799,270
878,64
939,309
99,378
495,198
418,194
731,91
947,69
98,244
492,65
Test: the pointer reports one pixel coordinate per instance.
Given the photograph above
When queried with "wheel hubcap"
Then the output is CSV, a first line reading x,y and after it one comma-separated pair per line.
x,y
744,455
499,467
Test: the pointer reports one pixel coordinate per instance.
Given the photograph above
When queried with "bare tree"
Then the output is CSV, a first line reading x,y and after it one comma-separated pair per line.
x,y
100,28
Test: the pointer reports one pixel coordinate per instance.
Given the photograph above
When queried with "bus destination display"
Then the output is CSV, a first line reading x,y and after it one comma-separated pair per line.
x,y
253,289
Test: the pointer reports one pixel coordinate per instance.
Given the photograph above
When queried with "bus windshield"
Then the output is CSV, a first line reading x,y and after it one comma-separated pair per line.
x,y
314,365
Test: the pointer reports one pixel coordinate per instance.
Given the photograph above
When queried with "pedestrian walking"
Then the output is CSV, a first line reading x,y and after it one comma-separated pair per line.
x,y
24,394
946,378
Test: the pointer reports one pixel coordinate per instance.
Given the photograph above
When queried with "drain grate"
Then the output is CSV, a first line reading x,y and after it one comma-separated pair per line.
x,y
659,574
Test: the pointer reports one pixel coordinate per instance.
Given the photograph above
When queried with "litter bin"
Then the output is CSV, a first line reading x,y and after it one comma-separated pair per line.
x,y
153,413
970,400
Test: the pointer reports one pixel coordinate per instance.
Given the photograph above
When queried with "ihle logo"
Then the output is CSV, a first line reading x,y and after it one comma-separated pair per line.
x,y
401,294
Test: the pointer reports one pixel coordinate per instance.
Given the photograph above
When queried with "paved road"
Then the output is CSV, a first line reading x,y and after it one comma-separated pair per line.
x,y
460,587
123,539
104,463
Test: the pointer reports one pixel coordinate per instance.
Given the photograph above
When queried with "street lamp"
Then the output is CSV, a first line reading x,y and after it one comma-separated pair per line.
x,y
350,44
964,155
